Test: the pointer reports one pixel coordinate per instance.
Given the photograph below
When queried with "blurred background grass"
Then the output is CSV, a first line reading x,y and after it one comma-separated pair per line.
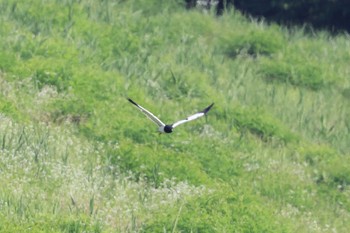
x,y
75,157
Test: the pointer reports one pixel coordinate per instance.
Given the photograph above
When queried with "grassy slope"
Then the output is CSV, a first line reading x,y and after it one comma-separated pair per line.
x,y
273,155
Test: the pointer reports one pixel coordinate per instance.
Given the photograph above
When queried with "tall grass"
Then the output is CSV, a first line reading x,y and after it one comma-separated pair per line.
x,y
49,172
271,156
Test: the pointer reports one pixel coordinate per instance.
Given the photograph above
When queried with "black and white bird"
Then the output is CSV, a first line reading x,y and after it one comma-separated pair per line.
x,y
164,128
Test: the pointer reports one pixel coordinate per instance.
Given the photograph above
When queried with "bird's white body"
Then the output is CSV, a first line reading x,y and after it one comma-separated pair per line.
x,y
161,129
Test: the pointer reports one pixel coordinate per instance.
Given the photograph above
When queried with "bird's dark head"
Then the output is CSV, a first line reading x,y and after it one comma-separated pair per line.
x,y
168,128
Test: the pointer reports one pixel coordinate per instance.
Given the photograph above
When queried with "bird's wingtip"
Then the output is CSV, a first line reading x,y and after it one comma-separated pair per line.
x,y
131,101
208,108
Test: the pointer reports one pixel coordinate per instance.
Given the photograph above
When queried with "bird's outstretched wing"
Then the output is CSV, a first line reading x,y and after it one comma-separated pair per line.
x,y
193,117
148,114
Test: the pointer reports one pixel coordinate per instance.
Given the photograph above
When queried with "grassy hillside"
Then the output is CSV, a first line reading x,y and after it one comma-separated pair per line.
x,y
76,156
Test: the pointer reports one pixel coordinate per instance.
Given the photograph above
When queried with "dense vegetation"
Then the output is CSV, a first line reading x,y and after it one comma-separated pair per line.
x,y
333,15
75,156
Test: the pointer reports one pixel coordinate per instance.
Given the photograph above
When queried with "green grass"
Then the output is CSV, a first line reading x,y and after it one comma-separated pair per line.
x,y
75,156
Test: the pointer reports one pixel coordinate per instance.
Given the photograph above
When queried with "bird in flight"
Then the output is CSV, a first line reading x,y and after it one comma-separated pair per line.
x,y
164,128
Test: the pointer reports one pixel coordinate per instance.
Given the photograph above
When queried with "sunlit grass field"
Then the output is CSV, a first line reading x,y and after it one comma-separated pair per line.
x,y
273,155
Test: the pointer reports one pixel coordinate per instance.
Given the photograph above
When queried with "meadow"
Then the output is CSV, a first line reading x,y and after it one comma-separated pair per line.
x,y
75,156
